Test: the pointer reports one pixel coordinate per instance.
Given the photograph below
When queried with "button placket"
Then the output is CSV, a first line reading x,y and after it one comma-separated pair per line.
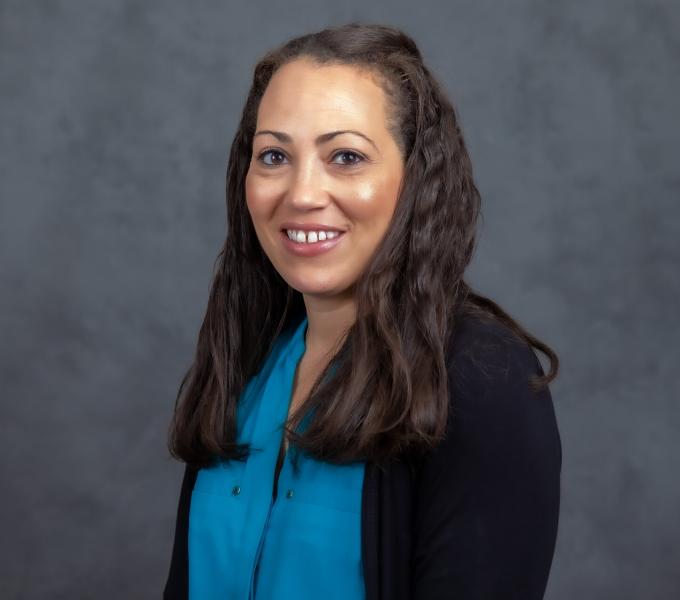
x,y
293,354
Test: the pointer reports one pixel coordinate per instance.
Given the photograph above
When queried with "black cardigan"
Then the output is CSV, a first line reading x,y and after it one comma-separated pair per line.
x,y
477,518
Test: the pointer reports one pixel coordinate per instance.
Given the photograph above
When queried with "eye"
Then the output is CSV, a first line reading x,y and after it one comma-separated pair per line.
x,y
350,153
265,153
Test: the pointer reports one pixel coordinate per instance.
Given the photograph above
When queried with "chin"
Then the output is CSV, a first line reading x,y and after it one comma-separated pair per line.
x,y
310,287
316,290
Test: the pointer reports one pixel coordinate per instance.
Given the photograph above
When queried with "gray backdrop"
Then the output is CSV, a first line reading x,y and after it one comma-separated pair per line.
x,y
116,124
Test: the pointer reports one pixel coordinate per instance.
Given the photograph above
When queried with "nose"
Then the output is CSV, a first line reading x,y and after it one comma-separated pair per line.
x,y
307,187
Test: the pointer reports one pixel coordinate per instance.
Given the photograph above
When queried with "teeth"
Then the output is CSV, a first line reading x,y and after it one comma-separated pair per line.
x,y
311,236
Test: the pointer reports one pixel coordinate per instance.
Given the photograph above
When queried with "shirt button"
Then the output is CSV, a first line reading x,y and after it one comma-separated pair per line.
x,y
289,494
236,490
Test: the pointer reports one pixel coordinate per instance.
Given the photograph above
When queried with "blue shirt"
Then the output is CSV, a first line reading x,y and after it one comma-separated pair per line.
x,y
306,544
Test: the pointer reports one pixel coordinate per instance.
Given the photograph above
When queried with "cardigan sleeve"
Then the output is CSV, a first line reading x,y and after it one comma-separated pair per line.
x,y
487,498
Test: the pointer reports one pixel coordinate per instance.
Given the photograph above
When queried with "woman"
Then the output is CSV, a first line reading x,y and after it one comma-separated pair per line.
x,y
357,422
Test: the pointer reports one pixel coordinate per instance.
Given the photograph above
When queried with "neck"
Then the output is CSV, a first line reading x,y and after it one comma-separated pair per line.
x,y
328,320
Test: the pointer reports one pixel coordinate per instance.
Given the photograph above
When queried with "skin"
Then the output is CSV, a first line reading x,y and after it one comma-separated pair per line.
x,y
346,182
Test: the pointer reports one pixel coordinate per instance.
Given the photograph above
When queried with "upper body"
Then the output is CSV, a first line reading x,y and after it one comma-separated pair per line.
x,y
351,198
478,517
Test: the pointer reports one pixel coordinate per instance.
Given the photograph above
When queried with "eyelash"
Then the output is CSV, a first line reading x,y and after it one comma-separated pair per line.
x,y
360,157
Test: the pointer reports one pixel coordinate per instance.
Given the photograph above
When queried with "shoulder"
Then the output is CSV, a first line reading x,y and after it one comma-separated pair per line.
x,y
481,347
494,413
487,356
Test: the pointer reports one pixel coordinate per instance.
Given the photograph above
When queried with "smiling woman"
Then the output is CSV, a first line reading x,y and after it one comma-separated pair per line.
x,y
344,359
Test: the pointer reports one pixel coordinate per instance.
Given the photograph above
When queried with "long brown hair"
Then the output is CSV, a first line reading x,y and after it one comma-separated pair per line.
x,y
388,391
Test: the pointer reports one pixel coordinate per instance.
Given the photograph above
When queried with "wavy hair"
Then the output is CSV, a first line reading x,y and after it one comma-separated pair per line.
x,y
387,391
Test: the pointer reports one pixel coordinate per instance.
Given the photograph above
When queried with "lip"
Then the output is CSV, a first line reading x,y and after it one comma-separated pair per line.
x,y
307,250
310,226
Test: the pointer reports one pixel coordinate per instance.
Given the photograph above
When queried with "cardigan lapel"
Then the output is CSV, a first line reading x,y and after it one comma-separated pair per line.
x,y
177,584
370,523
389,514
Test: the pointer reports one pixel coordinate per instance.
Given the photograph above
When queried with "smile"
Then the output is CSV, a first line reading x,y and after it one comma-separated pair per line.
x,y
310,237
310,243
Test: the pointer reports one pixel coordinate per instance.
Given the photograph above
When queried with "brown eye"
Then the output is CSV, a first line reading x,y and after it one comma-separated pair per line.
x,y
273,153
355,157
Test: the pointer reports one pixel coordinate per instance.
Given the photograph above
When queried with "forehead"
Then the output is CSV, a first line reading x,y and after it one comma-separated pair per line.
x,y
302,93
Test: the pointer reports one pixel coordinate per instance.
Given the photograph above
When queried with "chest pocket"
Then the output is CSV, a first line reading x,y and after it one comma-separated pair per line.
x,y
219,479
328,487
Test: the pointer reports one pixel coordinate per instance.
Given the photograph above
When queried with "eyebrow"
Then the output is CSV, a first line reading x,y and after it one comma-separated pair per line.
x,y
284,138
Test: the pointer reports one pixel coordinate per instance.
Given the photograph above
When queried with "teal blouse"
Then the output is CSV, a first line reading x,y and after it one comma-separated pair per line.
x,y
306,544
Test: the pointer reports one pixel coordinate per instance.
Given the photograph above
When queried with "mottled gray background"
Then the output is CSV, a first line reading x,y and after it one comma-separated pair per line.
x,y
115,127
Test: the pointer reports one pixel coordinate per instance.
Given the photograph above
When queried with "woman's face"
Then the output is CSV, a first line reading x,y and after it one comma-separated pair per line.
x,y
306,177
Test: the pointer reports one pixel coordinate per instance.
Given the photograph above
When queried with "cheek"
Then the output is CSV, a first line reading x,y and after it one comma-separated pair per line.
x,y
262,193
367,192
374,204
256,198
